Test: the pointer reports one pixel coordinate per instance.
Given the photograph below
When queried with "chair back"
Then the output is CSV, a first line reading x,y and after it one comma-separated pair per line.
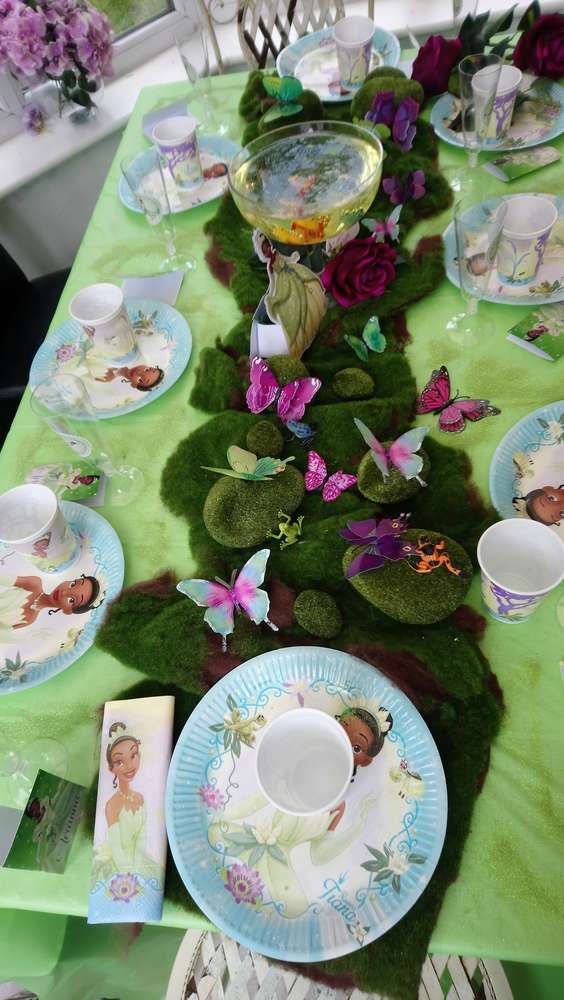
x,y
268,26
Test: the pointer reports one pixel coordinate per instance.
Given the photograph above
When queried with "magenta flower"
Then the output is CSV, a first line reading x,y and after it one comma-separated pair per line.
x,y
124,887
65,352
362,270
382,110
404,127
34,121
211,797
434,62
24,45
244,884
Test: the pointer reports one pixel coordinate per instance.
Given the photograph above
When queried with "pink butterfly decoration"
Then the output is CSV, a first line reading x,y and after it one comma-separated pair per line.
x,y
453,413
402,453
291,399
316,477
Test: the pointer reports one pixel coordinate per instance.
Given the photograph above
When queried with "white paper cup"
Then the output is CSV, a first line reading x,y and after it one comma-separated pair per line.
x,y
32,523
501,112
304,762
101,313
353,38
526,230
521,562
177,141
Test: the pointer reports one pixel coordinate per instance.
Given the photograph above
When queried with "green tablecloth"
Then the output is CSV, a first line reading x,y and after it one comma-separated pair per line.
x,y
508,901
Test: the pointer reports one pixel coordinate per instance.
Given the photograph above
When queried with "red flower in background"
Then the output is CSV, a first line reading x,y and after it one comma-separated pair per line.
x,y
541,48
434,63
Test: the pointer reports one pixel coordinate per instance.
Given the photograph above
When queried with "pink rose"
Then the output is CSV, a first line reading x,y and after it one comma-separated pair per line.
x,y
434,63
541,48
363,269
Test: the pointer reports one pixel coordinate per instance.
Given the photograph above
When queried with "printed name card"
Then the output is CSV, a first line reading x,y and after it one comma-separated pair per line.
x,y
128,865
40,838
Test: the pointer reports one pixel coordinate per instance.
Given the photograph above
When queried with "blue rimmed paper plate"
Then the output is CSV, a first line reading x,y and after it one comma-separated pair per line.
x,y
527,469
216,152
32,654
547,285
295,888
313,60
164,340
536,121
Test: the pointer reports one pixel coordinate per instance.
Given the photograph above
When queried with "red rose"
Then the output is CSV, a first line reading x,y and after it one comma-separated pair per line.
x,y
541,48
362,270
434,62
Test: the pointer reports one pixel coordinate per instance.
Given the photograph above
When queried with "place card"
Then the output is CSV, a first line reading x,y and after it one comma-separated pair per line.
x,y
40,837
509,166
71,481
541,332
128,864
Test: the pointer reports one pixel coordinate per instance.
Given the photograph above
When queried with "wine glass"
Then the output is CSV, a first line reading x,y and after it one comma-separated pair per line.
x,y
62,401
145,178
192,45
478,79
476,249
20,767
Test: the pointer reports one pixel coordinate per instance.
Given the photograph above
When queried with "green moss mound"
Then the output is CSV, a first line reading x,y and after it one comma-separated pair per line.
x,y
286,368
395,487
312,110
385,71
239,514
217,382
264,439
408,596
318,613
362,100
353,383
253,97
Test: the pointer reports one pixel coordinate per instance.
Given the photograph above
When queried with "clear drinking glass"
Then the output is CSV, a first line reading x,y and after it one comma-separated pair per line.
x,y
478,79
62,401
476,249
147,184
20,767
193,48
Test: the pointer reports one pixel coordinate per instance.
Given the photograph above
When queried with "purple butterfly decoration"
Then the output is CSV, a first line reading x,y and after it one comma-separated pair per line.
x,y
400,120
382,540
398,193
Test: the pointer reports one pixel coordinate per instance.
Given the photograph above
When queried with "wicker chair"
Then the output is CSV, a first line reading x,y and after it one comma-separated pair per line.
x,y
213,967
268,26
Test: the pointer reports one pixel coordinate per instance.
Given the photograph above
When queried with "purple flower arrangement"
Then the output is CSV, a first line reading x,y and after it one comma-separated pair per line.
x,y
68,41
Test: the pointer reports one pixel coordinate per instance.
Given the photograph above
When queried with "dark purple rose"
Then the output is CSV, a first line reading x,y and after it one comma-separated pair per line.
x,y
382,110
541,48
363,269
434,62
404,127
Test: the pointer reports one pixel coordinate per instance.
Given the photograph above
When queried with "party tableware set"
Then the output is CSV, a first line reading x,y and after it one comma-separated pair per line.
x,y
306,803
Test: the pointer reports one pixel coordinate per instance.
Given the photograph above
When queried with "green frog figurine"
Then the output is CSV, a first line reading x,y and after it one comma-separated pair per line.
x,y
288,531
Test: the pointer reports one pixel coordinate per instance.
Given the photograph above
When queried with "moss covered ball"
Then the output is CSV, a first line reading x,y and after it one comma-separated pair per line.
x,y
353,383
318,613
395,487
286,368
265,439
409,596
362,100
385,71
239,513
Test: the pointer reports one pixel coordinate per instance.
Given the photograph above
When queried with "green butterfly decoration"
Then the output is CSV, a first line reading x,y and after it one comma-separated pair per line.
x,y
372,339
245,465
285,89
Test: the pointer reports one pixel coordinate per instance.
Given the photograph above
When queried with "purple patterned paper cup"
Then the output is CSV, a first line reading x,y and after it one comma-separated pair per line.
x,y
353,38
500,113
526,230
177,141
521,562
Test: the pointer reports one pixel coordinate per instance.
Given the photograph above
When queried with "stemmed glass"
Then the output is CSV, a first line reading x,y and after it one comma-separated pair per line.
x,y
476,249
62,401
192,45
20,767
145,178
478,78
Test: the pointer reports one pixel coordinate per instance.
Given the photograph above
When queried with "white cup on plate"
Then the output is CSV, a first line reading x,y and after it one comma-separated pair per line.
x,y
32,523
101,312
176,139
353,37
526,230
501,112
304,762
521,561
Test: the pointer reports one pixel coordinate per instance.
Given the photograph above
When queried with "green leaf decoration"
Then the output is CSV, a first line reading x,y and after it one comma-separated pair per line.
x,y
396,884
373,337
372,866
282,111
416,859
227,738
256,854
382,874
357,345
277,853
217,727
383,130
378,855
503,23
530,16
236,746
231,703
284,88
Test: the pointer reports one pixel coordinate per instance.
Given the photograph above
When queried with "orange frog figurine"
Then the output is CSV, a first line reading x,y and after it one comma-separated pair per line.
x,y
432,555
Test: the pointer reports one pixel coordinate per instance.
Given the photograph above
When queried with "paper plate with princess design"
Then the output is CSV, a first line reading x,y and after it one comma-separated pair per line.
x,y
306,888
